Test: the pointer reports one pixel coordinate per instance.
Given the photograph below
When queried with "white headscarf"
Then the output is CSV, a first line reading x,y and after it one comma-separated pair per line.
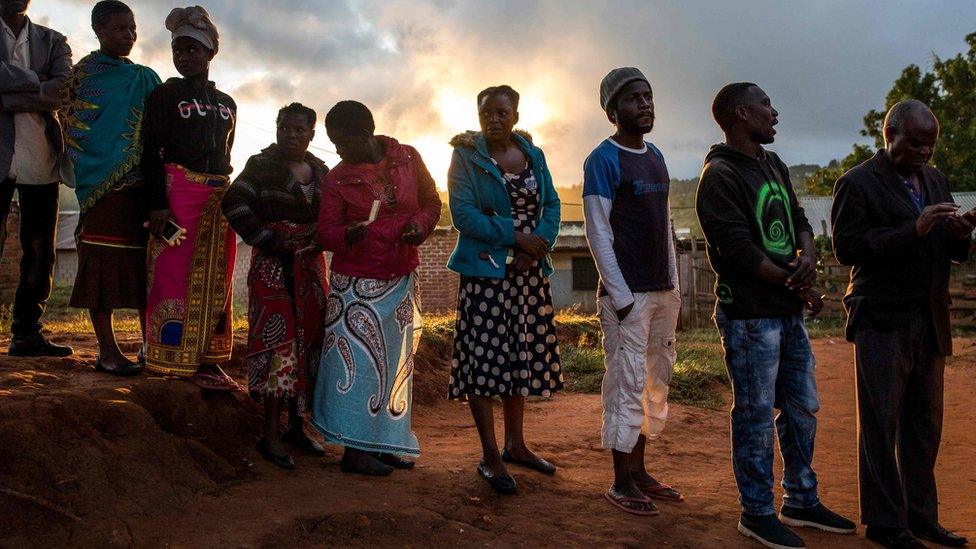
x,y
194,22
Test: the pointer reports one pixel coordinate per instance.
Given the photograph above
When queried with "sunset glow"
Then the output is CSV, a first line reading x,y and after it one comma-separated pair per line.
x,y
418,64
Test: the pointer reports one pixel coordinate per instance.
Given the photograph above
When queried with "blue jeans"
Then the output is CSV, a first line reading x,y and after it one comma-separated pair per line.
x,y
771,366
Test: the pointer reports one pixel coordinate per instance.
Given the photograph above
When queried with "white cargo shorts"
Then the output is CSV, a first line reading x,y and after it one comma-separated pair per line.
x,y
639,355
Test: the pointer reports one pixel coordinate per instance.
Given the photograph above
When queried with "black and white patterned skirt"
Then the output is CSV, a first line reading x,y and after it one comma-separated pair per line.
x,y
505,337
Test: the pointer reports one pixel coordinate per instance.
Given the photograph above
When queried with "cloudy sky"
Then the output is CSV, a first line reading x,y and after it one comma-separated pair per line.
x,y
418,64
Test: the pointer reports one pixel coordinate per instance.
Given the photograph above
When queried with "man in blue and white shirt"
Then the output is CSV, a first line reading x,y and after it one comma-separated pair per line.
x,y
628,227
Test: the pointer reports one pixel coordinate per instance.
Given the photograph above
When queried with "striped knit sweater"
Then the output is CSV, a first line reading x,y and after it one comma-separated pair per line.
x,y
266,192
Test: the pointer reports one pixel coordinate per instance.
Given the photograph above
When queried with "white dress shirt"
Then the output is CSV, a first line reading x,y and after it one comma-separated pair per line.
x,y
33,161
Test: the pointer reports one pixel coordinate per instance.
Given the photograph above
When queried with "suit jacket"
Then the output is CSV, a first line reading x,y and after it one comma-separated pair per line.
x,y
22,91
895,274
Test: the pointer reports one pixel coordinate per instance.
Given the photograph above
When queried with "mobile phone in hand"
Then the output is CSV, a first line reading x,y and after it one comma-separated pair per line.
x,y
173,233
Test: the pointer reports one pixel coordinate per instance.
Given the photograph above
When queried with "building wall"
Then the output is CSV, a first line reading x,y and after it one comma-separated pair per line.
x,y
561,284
438,285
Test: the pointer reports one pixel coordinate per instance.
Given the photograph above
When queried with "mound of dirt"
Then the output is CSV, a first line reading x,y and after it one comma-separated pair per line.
x,y
78,446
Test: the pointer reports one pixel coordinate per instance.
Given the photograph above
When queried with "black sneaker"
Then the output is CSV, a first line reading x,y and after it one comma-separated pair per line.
x,y
36,345
893,538
769,531
817,516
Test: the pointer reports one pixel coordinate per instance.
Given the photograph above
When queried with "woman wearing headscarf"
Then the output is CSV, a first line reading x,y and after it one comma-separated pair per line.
x,y
378,207
187,133
104,103
506,209
273,205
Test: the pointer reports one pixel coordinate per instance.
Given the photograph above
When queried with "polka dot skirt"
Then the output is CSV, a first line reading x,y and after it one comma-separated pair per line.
x,y
505,338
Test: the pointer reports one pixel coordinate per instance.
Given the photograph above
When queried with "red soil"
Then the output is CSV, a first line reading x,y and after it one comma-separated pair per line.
x,y
90,460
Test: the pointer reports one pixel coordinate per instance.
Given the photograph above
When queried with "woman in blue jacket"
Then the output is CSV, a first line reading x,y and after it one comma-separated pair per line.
x,y
506,210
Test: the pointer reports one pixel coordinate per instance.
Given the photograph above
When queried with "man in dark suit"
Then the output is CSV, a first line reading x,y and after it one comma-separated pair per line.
x,y
895,224
34,63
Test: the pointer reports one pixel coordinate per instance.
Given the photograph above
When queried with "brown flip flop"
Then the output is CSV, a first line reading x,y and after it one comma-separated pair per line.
x,y
657,491
622,501
214,380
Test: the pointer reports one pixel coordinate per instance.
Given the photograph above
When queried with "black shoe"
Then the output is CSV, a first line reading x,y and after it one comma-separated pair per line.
x,y
124,370
817,516
363,464
893,538
537,464
503,484
769,531
141,357
300,440
392,460
283,460
937,534
36,345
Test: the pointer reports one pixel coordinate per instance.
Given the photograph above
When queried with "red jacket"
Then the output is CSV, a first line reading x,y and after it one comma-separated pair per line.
x,y
347,198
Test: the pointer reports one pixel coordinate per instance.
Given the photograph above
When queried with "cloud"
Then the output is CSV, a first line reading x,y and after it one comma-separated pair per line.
x,y
419,64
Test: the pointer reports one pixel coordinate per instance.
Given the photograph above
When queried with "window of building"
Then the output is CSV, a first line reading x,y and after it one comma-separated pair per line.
x,y
585,275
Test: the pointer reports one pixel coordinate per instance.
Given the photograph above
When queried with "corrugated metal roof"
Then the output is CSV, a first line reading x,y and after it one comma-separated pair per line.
x,y
817,209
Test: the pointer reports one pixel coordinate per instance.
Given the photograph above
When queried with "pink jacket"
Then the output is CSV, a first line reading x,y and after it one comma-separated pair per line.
x,y
347,198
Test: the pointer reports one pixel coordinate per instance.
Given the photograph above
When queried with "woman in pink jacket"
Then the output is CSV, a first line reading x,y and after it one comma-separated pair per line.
x,y
379,204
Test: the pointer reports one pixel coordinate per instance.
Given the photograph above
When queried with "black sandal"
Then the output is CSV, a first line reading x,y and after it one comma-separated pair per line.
x,y
537,464
299,439
284,461
392,460
503,484
368,466
130,369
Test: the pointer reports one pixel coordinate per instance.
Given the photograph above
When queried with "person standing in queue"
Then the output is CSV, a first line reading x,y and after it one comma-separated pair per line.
x,y
760,245
628,229
35,61
103,109
188,132
378,206
894,222
273,205
506,211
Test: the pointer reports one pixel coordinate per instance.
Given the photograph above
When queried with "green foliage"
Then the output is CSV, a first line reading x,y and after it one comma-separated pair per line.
x,y
821,181
699,378
950,90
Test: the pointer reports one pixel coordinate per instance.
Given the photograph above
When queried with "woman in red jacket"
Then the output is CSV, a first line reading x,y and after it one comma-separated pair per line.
x,y
379,204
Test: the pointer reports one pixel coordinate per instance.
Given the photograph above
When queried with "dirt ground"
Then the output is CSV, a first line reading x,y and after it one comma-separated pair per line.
x,y
90,460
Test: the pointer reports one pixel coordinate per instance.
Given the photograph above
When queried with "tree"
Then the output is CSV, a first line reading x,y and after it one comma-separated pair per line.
x,y
821,182
950,90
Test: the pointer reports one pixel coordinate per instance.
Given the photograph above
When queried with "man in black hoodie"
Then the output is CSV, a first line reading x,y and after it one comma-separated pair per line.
x,y
760,246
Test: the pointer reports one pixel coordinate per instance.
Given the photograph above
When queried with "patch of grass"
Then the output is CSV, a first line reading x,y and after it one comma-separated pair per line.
x,y
827,327
59,318
583,367
699,378
438,330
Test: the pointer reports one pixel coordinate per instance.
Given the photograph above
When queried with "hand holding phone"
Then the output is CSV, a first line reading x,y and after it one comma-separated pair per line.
x,y
173,234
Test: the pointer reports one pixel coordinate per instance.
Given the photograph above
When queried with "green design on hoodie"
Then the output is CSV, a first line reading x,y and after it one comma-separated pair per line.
x,y
777,238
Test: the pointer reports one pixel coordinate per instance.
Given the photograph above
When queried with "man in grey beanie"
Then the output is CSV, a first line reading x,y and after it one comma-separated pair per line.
x,y
628,228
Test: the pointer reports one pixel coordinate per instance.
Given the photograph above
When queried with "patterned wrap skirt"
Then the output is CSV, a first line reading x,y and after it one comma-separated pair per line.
x,y
189,315
286,314
364,391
